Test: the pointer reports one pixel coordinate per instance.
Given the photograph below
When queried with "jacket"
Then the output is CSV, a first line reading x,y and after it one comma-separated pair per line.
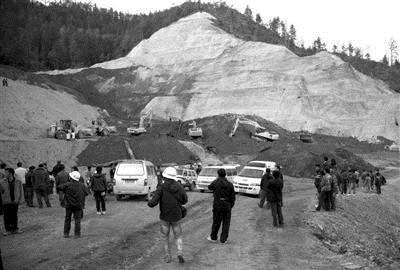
x,y
29,179
75,193
317,182
326,182
264,180
41,179
274,190
5,191
98,182
61,178
170,195
56,169
224,193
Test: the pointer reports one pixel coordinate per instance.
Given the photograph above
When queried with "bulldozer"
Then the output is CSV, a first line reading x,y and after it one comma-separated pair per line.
x,y
140,128
194,131
61,129
100,128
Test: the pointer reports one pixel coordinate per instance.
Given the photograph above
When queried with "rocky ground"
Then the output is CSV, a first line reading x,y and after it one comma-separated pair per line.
x,y
128,236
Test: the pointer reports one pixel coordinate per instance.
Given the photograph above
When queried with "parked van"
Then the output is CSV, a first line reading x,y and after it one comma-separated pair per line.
x,y
209,174
135,177
249,178
188,178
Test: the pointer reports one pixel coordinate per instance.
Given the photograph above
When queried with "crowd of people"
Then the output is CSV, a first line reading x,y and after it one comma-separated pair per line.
x,y
330,181
72,188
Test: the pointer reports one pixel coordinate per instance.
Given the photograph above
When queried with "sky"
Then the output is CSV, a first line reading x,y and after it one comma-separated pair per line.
x,y
367,24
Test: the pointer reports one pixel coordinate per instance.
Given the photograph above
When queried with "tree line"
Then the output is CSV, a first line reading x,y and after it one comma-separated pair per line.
x,y
68,34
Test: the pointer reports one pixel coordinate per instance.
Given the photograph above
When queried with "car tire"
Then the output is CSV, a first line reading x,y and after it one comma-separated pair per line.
x,y
192,186
118,197
201,190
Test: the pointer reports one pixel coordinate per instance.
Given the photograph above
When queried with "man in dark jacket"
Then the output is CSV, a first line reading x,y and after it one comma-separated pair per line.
x,y
98,184
41,182
263,187
75,193
29,186
171,197
62,177
378,181
274,197
57,168
224,200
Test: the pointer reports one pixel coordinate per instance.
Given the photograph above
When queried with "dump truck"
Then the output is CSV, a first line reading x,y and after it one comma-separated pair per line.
x,y
194,131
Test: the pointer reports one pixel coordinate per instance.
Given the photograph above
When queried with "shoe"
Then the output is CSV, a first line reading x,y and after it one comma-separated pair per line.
x,y
6,233
17,232
66,235
77,236
103,212
211,240
181,259
224,243
99,213
167,258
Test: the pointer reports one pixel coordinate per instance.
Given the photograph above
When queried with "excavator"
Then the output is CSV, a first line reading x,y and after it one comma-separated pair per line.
x,y
145,121
255,129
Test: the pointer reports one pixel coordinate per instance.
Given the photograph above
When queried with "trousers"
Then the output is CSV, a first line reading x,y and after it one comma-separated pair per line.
x,y
28,194
42,193
10,214
175,227
78,215
99,201
276,211
223,216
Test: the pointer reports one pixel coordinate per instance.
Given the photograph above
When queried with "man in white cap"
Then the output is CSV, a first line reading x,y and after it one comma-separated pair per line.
x,y
74,194
171,196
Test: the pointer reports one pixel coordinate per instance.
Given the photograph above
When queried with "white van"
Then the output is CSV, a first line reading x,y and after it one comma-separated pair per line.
x,y
249,178
209,174
135,177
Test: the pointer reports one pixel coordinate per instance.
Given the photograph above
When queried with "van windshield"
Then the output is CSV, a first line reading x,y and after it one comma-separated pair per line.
x,y
130,169
209,172
252,173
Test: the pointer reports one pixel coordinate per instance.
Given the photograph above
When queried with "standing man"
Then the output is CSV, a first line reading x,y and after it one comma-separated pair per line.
x,y
62,177
171,197
317,184
75,193
89,175
41,182
224,200
352,180
344,176
12,195
28,189
20,174
326,188
274,197
57,168
325,164
263,187
378,182
334,187
98,184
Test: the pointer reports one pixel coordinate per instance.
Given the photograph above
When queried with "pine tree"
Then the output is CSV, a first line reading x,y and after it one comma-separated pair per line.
x,y
248,12
292,33
258,18
334,48
350,48
274,24
385,60
393,50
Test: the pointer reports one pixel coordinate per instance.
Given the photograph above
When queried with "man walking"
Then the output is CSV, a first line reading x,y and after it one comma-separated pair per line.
x,y
62,177
378,182
12,194
224,200
334,189
20,175
171,196
28,189
352,181
98,184
75,193
326,188
263,187
317,184
41,182
274,197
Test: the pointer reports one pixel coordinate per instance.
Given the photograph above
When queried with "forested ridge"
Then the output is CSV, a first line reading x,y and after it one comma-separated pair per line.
x,y
66,34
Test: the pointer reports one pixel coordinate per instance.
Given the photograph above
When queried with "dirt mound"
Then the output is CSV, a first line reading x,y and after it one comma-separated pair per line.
x,y
158,148
296,157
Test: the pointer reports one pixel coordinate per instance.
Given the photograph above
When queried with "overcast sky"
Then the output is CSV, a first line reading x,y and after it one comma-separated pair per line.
x,y
368,24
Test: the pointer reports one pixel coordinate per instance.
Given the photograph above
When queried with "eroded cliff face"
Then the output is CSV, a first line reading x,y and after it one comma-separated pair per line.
x,y
192,69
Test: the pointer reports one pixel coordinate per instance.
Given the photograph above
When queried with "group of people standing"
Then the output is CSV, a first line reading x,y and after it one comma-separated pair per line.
x,y
21,185
331,181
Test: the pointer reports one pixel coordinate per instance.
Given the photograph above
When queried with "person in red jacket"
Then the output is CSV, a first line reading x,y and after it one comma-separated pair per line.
x,y
171,196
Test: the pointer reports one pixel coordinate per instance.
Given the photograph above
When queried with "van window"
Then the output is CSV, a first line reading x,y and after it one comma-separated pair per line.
x,y
184,173
252,173
150,170
209,172
130,169
179,171
229,172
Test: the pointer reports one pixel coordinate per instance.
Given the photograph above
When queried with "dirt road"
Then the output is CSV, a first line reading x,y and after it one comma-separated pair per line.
x,y
128,237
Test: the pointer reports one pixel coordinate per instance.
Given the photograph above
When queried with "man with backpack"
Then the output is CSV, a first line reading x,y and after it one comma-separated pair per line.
x,y
224,200
98,184
379,181
171,196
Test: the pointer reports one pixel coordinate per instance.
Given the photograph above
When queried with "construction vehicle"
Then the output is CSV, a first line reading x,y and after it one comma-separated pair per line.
x,y
255,129
194,131
100,128
305,137
62,129
140,128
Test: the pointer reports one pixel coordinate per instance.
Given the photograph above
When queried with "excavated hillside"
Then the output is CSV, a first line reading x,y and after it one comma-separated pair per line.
x,y
193,69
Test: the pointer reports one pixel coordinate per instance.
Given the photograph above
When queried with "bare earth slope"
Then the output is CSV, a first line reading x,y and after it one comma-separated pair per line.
x,y
192,69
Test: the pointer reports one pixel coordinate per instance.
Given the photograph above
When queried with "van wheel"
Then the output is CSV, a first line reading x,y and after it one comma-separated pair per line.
x,y
192,186
201,190
118,197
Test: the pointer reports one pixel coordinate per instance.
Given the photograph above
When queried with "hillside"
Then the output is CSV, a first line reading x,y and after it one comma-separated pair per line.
x,y
200,70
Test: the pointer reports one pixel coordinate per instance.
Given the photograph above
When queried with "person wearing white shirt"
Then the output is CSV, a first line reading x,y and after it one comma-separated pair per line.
x,y
20,173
